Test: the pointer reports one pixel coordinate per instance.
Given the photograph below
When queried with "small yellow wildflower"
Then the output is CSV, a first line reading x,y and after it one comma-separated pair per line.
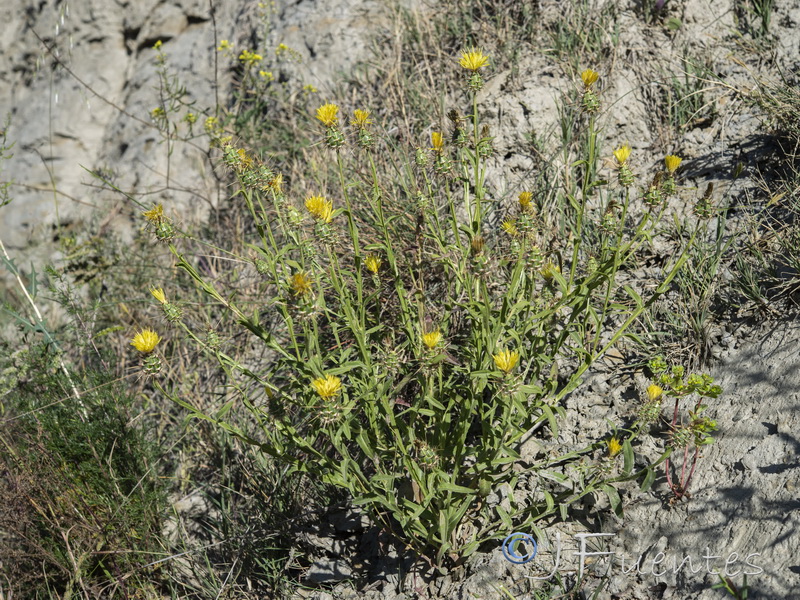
x,y
327,387
614,446
549,271
360,118
310,89
589,78
327,114
155,214
157,45
622,154
224,45
432,338
145,341
510,227
506,360
437,141
654,392
266,75
473,59
320,208
672,162
281,49
373,263
301,283
276,183
159,295
525,200
250,57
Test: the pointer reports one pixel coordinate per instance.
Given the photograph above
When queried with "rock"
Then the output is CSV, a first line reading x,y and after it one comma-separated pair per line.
x,y
328,570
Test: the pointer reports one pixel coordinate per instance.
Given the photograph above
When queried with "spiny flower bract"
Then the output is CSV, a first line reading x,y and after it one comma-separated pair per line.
x,y
473,59
525,199
145,341
327,387
654,392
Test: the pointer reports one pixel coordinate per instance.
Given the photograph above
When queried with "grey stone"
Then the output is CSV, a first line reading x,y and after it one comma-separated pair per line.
x,y
328,570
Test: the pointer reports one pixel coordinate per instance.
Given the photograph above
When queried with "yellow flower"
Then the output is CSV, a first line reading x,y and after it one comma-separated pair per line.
x,y
320,208
155,214
672,162
250,57
327,387
373,263
525,200
432,338
301,283
437,141
510,227
159,295
224,45
506,360
622,154
266,75
614,446
310,89
145,341
654,392
589,78
473,59
327,114
157,45
549,271
361,118
276,183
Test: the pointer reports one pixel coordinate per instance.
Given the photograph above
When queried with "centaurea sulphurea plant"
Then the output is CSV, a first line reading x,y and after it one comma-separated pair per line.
x,y
407,373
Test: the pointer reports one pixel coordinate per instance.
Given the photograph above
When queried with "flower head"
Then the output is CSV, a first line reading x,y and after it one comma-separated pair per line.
x,y
510,227
549,271
301,283
249,57
145,341
432,338
320,208
589,78
654,392
327,114
361,118
622,154
437,141
159,295
614,446
155,214
224,45
506,360
525,200
473,59
327,387
672,163
373,263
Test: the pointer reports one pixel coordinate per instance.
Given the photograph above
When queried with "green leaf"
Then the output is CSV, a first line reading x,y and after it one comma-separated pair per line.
x,y
458,489
649,478
613,499
627,455
504,517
